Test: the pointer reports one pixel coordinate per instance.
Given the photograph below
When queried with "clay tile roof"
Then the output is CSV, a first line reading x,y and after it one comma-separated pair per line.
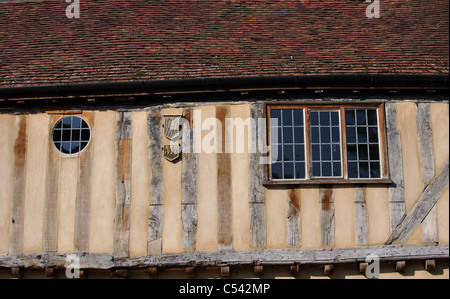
x,y
130,40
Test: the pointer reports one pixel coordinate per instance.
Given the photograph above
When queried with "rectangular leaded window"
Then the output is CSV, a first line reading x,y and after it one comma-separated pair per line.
x,y
290,144
325,143
363,149
317,142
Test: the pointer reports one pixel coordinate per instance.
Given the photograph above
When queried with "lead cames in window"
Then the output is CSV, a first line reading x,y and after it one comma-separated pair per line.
x,y
317,142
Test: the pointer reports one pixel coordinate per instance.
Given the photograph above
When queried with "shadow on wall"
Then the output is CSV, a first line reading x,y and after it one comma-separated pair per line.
x,y
413,269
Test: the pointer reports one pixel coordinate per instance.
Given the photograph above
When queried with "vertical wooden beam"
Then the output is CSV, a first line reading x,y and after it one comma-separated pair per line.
x,y
394,147
224,196
18,189
361,216
257,200
189,184
156,212
327,221
123,185
294,219
83,203
427,165
8,125
52,190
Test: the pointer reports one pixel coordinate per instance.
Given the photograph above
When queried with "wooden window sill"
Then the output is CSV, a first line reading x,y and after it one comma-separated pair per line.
x,y
268,183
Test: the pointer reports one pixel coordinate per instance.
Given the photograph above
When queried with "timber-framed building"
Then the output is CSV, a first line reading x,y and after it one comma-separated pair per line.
x,y
224,138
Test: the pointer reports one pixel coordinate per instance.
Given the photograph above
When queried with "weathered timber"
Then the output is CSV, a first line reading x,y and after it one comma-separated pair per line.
x,y
156,212
361,216
225,271
232,257
123,185
83,202
400,266
363,267
327,222
427,166
119,273
294,270
422,207
397,206
430,265
258,270
224,188
256,178
17,272
189,185
294,219
18,190
50,236
153,272
328,269
190,272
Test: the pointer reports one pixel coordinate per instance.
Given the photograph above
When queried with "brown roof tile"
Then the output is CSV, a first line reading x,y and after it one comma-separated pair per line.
x,y
171,39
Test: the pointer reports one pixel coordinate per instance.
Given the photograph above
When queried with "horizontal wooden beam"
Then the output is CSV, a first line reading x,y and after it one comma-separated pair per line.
x,y
232,257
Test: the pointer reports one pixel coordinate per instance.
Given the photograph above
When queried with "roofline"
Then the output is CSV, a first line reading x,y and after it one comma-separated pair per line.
x,y
227,84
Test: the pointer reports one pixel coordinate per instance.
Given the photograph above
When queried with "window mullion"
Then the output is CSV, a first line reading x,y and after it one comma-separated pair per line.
x,y
343,144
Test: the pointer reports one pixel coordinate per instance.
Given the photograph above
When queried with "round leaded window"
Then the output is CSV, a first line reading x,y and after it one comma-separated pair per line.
x,y
71,134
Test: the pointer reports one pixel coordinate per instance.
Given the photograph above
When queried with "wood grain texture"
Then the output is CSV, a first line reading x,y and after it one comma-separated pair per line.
x,y
327,220
52,190
35,188
294,218
224,194
427,166
123,185
287,257
18,190
422,207
8,125
83,203
156,212
394,147
189,176
256,179
361,216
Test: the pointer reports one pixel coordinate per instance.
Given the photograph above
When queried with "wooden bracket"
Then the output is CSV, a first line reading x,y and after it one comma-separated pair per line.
x,y
225,271
259,270
119,273
153,272
430,265
328,269
294,270
17,272
190,272
363,267
400,266
50,273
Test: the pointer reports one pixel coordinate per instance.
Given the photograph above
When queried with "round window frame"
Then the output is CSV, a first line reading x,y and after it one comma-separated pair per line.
x,y
80,151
